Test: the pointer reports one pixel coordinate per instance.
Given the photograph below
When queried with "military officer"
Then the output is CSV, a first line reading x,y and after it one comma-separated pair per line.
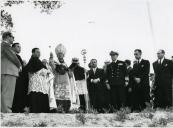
x,y
115,80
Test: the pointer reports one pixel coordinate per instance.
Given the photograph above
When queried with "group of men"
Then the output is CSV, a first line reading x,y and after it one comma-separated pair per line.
x,y
117,85
12,74
130,87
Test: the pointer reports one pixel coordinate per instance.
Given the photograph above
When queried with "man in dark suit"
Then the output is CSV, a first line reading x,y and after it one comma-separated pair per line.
x,y
127,83
163,69
96,86
10,66
115,75
140,82
21,89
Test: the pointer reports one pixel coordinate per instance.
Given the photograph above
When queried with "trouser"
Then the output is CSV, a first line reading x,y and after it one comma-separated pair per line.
x,y
63,105
19,99
163,96
39,102
118,97
128,98
139,98
8,83
82,102
95,100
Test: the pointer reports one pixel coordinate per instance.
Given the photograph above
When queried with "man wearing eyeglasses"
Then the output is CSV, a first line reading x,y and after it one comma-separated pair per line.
x,y
163,69
140,82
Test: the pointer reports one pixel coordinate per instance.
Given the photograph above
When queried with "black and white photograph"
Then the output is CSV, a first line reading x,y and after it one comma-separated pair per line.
x,y
86,63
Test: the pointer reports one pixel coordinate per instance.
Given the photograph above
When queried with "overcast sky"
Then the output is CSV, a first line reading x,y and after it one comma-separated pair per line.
x,y
98,26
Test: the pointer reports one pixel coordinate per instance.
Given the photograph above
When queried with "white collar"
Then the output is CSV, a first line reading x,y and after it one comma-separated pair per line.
x,y
161,60
94,69
115,61
128,67
139,60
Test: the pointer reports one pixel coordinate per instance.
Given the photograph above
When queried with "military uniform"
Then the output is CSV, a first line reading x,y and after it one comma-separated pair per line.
x,y
115,74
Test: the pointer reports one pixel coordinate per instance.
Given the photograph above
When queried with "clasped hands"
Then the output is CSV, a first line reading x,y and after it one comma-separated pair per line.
x,y
138,80
95,81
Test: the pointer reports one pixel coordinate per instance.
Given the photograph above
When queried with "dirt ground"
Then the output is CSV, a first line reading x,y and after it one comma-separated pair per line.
x,y
159,118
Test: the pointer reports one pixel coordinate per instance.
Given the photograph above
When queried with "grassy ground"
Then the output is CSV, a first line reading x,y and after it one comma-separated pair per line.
x,y
146,118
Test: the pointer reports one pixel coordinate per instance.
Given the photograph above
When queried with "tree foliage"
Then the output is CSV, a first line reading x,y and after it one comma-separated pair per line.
x,y
45,6
6,20
10,3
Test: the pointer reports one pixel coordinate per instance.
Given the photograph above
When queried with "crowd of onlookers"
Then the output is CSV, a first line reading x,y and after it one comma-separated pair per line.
x,y
52,86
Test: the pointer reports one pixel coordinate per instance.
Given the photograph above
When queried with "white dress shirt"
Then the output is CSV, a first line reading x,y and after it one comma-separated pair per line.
x,y
139,60
161,60
94,70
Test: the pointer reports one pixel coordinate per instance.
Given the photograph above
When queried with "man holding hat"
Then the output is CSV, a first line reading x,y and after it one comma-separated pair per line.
x,y
115,75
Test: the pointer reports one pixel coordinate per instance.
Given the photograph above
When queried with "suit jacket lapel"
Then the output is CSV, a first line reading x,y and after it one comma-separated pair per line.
x,y
96,71
158,66
163,62
92,72
141,62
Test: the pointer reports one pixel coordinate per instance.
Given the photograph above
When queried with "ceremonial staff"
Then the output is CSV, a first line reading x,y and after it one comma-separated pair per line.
x,y
84,52
51,59
50,48
51,54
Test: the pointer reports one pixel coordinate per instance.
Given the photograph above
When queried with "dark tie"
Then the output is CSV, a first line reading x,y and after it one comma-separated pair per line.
x,y
138,61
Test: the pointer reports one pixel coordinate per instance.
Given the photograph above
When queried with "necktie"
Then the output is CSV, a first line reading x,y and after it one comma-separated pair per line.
x,y
160,61
138,61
